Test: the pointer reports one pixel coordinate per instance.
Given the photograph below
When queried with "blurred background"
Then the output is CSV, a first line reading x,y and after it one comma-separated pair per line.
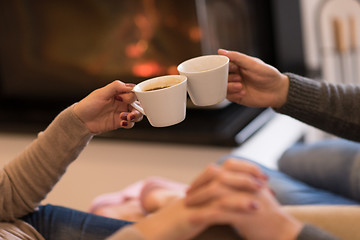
x,y
53,53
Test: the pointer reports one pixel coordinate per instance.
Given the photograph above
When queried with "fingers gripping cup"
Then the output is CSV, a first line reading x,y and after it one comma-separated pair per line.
x,y
207,78
162,99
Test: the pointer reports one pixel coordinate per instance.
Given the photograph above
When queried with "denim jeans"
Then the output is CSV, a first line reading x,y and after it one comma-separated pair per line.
x,y
327,172
331,165
60,223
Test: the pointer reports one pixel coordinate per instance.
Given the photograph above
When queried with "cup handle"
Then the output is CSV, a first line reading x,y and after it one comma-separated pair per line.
x,y
138,107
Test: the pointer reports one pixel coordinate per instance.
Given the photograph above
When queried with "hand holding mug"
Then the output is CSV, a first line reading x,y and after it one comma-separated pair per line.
x,y
108,108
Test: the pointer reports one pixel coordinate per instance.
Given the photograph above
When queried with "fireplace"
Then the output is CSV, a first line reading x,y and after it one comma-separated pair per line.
x,y
53,53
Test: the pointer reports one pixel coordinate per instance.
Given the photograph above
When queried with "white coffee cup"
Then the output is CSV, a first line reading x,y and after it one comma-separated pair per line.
x,y
162,99
207,78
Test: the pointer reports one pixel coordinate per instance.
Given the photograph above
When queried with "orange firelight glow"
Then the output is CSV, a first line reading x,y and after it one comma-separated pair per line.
x,y
172,70
195,34
147,69
136,50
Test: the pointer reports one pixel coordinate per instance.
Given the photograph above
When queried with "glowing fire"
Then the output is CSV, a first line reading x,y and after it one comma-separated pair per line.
x,y
147,69
146,48
136,50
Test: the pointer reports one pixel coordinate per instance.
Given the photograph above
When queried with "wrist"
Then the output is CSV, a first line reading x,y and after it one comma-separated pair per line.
x,y
289,227
170,222
283,91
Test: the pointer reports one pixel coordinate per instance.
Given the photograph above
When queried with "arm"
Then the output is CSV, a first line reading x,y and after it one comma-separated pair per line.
x,y
26,180
332,108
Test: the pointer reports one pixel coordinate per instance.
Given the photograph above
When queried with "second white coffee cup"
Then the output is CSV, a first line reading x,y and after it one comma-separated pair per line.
x,y
207,78
162,99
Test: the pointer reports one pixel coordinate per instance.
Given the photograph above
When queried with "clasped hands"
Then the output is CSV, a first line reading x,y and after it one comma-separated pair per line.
x,y
236,193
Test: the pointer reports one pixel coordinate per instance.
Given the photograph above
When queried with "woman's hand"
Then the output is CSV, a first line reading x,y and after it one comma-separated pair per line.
x,y
254,83
236,194
108,108
217,181
233,194
186,218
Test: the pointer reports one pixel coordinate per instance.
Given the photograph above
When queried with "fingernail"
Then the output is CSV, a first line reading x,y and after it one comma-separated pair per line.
x,y
272,192
259,182
265,177
129,84
254,206
132,117
124,116
124,124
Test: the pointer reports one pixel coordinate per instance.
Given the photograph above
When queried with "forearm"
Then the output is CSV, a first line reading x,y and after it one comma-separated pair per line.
x,y
172,222
308,232
31,175
332,108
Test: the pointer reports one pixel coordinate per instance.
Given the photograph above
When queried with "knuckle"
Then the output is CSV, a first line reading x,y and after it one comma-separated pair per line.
x,y
214,189
222,177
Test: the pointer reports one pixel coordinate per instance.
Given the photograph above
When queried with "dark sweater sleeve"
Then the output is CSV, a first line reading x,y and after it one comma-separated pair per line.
x,y
333,108
310,232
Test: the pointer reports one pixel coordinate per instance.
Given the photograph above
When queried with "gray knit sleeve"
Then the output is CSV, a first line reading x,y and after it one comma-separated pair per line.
x,y
333,108
310,232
